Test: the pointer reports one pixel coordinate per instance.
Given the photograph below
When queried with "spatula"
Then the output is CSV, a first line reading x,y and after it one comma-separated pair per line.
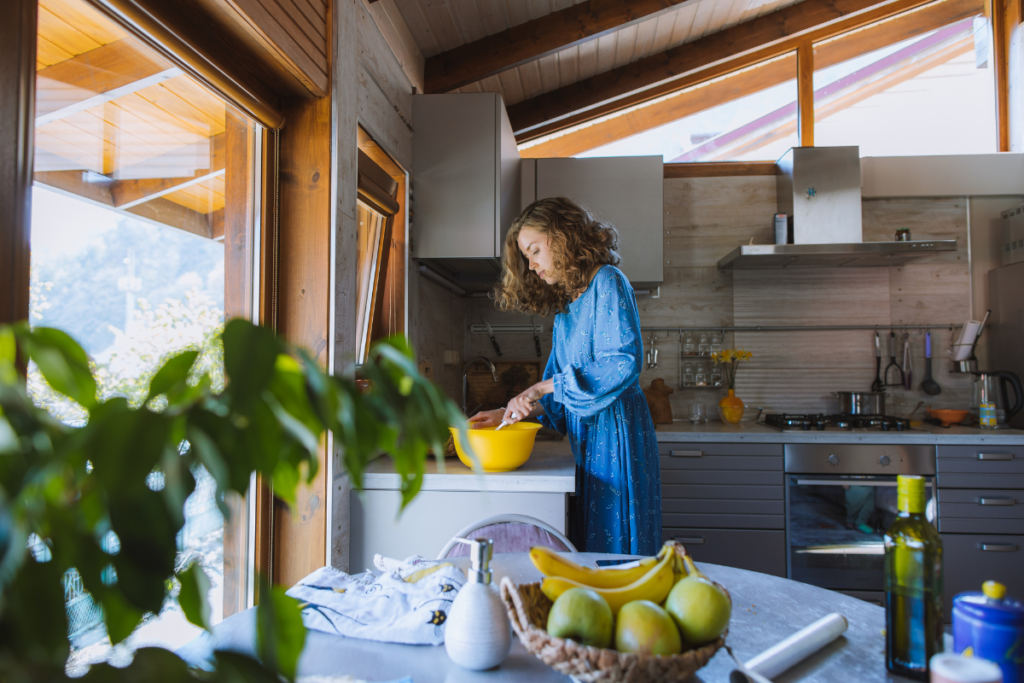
x,y
928,385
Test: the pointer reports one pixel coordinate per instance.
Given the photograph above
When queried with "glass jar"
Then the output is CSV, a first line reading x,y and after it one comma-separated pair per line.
x,y
689,345
688,375
704,345
701,375
716,342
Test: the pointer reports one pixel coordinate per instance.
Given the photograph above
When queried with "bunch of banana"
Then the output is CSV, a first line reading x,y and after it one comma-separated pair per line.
x,y
651,579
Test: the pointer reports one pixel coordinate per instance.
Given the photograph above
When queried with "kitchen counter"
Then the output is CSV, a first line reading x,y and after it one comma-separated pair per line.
x,y
758,432
550,469
451,500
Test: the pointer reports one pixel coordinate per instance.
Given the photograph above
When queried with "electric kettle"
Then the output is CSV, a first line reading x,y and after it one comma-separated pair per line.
x,y
990,401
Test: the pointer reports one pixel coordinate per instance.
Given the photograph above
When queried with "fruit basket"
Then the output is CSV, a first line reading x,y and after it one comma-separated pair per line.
x,y
528,610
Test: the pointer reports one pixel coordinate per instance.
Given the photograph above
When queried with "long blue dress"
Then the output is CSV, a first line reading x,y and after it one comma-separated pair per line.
x,y
596,356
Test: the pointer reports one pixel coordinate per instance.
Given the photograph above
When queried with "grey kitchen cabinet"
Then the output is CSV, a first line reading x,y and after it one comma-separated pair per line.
x,y
465,176
981,517
971,559
624,191
726,503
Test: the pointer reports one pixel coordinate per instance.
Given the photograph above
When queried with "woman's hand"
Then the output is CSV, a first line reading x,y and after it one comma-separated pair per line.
x,y
486,419
527,403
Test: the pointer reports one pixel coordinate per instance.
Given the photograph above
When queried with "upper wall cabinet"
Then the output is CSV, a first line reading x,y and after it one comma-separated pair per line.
x,y
465,176
623,191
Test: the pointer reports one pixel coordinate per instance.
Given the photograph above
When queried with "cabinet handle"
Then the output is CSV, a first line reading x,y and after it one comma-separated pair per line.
x,y
995,456
686,454
690,540
997,501
999,547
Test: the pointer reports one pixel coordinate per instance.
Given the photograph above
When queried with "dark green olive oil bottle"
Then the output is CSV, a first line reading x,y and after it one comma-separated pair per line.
x,y
913,585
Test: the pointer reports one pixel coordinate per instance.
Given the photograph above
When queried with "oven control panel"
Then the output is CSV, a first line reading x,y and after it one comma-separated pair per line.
x,y
859,459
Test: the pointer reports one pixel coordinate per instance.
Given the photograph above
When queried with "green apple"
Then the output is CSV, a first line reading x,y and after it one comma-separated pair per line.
x,y
644,627
582,615
700,608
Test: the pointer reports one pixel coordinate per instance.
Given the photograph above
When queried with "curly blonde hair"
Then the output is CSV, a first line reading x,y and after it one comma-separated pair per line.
x,y
578,242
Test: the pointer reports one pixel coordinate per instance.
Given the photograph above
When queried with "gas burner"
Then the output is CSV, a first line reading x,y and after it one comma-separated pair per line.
x,y
819,422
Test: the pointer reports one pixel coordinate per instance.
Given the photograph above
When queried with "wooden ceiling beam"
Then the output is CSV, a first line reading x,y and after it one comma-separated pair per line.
x,y
720,53
534,39
754,79
97,76
132,192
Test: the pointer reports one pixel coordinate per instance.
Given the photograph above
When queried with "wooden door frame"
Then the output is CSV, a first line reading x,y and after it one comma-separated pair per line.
x,y
18,20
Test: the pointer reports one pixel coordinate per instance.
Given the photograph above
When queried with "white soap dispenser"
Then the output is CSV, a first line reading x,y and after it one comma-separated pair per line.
x,y
477,633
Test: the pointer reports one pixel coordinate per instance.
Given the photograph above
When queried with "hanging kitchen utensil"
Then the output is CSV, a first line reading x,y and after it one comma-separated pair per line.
x,y
929,385
876,386
652,355
536,336
490,332
893,363
908,365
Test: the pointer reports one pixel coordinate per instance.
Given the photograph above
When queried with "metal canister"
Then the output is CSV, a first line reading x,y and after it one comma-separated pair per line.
x,y
991,626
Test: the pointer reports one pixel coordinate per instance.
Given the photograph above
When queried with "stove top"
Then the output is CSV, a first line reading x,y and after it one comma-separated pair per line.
x,y
840,422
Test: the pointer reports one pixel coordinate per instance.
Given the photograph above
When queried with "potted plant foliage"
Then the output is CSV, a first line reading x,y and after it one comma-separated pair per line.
x,y
73,486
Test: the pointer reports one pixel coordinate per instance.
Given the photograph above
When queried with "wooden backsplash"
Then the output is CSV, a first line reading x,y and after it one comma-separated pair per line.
x,y
706,218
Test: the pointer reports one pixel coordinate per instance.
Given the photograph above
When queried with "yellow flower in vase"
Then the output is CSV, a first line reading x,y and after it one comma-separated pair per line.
x,y
731,407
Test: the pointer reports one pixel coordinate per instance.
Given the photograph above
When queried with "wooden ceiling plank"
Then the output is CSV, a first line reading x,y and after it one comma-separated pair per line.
x,y
416,20
195,98
684,22
723,169
606,46
587,58
534,39
828,53
467,19
694,62
529,74
96,100
624,46
441,24
86,19
548,66
176,107
736,13
492,16
663,32
313,28
312,16
517,11
701,20
64,35
568,65
511,88
645,32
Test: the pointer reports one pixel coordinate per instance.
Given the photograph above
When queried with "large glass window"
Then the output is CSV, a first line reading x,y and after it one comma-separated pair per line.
x,y
141,177
933,93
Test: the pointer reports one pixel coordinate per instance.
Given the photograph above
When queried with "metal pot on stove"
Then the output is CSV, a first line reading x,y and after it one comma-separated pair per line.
x,y
861,402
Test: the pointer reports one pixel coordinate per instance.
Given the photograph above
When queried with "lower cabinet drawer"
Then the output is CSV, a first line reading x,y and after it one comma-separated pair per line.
x,y
981,511
980,467
757,550
971,559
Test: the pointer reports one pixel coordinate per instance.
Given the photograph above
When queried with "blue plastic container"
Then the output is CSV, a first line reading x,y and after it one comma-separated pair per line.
x,y
991,626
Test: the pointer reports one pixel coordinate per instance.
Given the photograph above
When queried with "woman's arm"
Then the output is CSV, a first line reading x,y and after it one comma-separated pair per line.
x,y
527,404
591,384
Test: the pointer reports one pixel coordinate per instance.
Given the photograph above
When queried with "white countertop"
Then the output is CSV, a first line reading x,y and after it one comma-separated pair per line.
x,y
550,469
757,432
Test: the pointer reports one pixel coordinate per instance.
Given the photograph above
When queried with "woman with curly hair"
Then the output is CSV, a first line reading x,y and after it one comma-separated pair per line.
x,y
559,259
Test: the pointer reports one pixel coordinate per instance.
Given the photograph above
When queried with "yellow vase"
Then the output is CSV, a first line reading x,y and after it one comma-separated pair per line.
x,y
730,408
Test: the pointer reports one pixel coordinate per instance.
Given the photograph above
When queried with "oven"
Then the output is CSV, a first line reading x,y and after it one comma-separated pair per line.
x,y
840,499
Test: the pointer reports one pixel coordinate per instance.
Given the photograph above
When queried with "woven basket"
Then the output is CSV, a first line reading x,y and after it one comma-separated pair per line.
x,y
528,610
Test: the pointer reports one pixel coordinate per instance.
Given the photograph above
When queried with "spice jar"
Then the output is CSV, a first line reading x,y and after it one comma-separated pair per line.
x,y
903,235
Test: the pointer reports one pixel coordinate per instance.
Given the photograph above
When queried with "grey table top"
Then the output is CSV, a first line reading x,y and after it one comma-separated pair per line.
x,y
758,432
766,609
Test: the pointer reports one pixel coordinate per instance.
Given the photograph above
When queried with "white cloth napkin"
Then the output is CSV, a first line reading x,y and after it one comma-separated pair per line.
x,y
407,604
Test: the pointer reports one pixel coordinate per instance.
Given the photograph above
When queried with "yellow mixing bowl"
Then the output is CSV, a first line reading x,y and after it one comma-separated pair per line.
x,y
499,451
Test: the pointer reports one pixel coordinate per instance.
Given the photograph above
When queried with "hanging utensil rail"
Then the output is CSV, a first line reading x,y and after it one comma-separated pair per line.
x,y
797,328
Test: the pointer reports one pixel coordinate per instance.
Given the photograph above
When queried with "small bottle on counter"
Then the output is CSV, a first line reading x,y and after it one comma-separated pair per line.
x,y
477,634
913,584
903,235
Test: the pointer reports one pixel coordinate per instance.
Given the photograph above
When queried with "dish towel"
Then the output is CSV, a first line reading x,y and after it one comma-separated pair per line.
x,y
407,604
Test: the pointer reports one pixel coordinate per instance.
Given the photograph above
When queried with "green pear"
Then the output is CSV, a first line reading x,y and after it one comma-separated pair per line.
x,y
699,607
644,627
582,615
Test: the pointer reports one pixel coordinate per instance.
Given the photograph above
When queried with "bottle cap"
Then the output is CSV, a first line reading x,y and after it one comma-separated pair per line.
x,y
480,554
910,493
994,590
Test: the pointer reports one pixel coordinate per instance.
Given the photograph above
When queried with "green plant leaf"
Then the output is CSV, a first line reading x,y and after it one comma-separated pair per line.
x,y
120,617
234,667
33,624
148,664
249,355
8,356
62,362
172,378
280,633
195,587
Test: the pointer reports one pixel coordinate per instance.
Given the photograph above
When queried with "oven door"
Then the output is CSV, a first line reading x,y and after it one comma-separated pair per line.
x,y
835,527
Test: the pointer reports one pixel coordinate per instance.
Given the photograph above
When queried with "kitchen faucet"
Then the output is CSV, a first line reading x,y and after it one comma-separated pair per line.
x,y
465,372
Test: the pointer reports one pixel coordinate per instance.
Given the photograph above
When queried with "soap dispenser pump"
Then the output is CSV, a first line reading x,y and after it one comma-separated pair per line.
x,y
477,634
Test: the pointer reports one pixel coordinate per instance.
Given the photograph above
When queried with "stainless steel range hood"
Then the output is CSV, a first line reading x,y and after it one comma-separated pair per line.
x,y
818,188
851,255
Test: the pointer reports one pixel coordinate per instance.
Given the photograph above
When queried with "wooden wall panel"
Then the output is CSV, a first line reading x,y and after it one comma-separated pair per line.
x,y
303,306
17,107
